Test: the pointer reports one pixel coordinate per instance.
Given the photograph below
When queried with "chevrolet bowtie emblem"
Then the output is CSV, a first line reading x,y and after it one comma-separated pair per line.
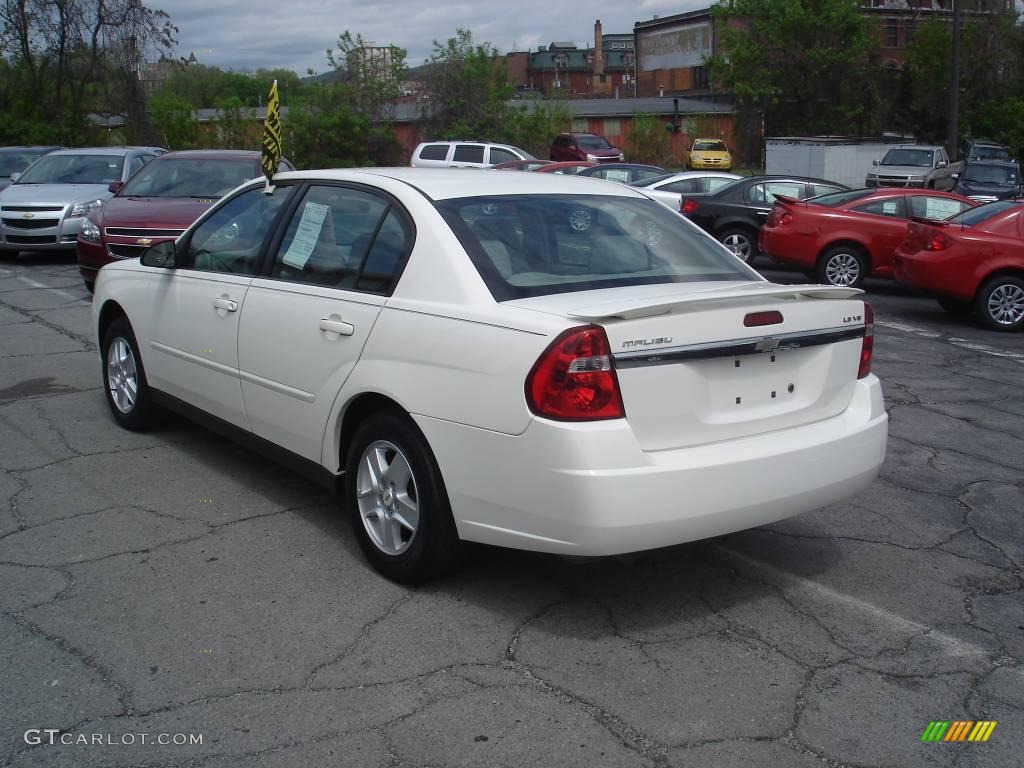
x,y
28,215
143,241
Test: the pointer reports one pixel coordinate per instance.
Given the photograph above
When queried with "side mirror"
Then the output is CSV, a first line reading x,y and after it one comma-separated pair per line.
x,y
160,255
115,186
941,164
874,162
15,177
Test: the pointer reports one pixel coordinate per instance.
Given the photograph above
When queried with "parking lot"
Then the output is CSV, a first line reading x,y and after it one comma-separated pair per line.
x,y
171,583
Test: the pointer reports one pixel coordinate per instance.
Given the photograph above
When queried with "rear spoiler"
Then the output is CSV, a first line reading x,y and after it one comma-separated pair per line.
x,y
787,200
625,308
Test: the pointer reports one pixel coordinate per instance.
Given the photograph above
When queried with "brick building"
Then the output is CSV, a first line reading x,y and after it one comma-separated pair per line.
x,y
604,70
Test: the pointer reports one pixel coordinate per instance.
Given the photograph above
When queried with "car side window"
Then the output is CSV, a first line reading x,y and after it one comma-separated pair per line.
x,y
823,189
499,155
329,237
893,206
380,267
468,153
136,163
712,183
765,193
683,186
434,152
229,240
935,207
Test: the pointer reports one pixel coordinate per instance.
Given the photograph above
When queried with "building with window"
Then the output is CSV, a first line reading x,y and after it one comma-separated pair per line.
x,y
606,69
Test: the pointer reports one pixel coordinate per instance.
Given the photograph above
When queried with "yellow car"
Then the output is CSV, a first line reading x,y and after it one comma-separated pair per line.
x,y
709,154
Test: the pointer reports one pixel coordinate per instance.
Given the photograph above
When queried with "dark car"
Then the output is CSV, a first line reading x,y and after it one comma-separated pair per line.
x,y
14,160
627,173
159,203
989,180
735,212
588,147
984,149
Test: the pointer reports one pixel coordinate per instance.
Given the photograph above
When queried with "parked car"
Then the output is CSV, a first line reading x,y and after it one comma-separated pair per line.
x,y
915,166
989,180
14,161
568,168
588,147
844,237
624,173
507,358
465,154
160,201
973,262
669,188
734,212
709,154
43,209
521,165
984,149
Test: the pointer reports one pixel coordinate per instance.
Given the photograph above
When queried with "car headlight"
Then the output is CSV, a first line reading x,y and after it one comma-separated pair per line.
x,y
591,158
622,157
90,232
84,209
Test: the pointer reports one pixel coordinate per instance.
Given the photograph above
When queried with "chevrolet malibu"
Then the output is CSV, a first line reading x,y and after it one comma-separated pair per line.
x,y
524,360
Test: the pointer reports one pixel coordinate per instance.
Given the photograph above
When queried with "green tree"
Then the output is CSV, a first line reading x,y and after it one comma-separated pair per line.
x,y
231,125
649,142
176,122
807,65
534,125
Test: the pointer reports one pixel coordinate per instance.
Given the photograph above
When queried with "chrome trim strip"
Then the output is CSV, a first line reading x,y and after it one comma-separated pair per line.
x,y
190,358
737,347
274,386
143,231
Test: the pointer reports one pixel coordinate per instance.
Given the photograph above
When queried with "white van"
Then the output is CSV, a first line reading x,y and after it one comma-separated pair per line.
x,y
465,154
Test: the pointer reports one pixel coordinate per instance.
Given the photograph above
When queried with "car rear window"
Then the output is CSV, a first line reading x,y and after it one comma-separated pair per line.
x,y
974,216
534,245
434,152
835,199
468,153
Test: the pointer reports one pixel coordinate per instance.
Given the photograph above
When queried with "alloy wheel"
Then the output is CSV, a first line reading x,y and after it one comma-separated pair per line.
x,y
387,497
843,269
1006,304
122,375
739,244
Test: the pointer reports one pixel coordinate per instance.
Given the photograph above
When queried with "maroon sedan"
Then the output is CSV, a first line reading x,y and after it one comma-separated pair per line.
x,y
844,237
159,203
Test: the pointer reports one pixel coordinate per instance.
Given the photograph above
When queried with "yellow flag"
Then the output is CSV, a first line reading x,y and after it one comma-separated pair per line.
x,y
271,157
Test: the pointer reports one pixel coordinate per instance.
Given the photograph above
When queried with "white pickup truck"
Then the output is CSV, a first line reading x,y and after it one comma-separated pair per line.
x,y
914,165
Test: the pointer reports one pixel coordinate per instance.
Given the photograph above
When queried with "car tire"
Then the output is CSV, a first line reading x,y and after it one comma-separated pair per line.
x,y
124,379
397,501
956,307
741,241
842,265
1000,303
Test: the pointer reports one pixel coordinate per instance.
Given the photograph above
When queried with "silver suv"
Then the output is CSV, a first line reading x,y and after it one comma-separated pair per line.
x,y
465,154
43,209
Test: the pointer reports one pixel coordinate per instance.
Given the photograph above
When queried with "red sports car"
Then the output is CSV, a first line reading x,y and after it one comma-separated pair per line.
x,y
842,238
974,261
159,203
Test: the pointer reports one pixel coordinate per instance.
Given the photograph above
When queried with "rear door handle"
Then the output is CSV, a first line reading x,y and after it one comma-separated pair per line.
x,y
225,304
336,326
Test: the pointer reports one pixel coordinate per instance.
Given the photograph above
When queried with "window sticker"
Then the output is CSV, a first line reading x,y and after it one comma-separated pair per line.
x,y
889,208
306,236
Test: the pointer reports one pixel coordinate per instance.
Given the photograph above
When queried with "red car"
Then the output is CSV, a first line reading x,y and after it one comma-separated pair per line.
x,y
159,203
521,165
586,147
972,262
569,167
843,237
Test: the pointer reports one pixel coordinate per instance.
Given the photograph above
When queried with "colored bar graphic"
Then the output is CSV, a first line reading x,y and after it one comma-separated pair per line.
x,y
935,731
958,730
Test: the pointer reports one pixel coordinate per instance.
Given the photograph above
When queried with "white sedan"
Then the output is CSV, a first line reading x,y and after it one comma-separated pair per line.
x,y
671,187
518,359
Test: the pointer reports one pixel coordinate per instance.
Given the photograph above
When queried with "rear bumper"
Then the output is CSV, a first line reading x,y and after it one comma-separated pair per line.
x,y
588,489
940,274
788,248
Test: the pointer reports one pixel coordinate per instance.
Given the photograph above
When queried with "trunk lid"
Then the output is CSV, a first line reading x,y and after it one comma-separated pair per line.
x,y
693,369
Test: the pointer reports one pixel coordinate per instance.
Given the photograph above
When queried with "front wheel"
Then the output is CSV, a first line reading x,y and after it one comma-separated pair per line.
x,y
741,242
843,266
1000,303
397,501
124,378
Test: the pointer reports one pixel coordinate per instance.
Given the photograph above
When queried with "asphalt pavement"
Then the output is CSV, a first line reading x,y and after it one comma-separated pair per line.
x,y
174,587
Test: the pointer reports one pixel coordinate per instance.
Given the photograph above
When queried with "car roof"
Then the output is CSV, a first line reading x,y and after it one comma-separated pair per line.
x,y
447,183
22,148
214,154
104,150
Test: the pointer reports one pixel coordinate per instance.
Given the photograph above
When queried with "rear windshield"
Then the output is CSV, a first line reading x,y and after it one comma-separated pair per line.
x,y
709,146
592,142
534,245
989,151
653,179
835,199
974,216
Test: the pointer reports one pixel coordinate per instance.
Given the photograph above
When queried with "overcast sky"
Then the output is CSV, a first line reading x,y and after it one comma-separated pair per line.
x,y
249,34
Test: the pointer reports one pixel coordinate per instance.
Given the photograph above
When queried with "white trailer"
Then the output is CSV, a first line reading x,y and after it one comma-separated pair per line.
x,y
844,159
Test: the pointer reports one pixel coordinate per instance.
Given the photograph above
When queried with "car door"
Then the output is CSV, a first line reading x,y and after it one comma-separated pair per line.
x,y
306,321
468,156
196,306
883,230
944,174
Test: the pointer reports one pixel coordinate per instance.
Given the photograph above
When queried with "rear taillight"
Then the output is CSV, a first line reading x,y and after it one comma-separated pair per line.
x,y
867,346
689,205
787,218
574,379
938,241
779,216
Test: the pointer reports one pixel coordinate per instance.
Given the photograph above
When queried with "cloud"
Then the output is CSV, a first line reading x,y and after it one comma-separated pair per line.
x,y
249,34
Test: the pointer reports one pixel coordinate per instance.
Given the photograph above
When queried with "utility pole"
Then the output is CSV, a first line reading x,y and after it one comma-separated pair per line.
x,y
952,143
